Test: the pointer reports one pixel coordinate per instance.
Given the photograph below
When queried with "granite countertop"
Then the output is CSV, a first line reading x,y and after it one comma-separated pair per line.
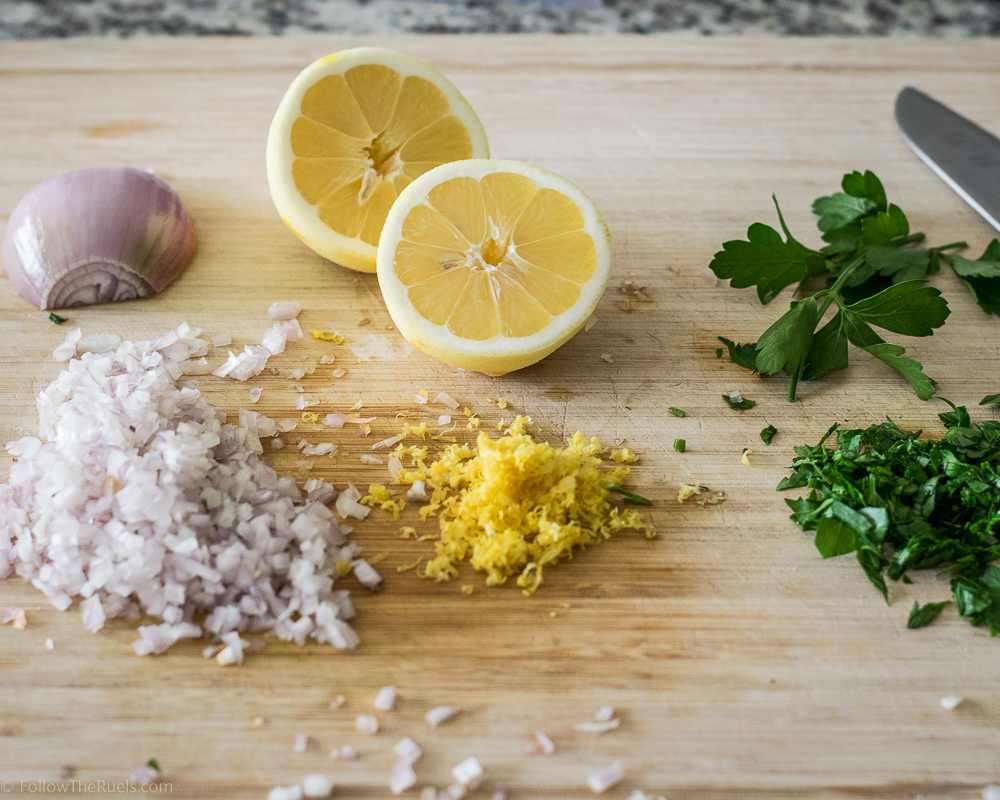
x,y
33,19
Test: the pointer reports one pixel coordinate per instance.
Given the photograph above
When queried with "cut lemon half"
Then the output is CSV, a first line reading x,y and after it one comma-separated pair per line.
x,y
492,265
352,131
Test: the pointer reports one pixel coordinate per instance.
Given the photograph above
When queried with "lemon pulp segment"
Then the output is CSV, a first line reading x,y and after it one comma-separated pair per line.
x,y
494,256
364,135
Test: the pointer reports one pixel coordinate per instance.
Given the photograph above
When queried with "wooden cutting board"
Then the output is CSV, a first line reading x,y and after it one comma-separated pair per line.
x,y
742,665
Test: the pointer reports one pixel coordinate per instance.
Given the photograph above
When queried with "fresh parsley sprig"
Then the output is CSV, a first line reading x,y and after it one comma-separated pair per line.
x,y
874,279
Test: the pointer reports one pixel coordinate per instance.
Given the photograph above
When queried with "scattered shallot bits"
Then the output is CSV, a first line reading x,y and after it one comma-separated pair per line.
x,y
366,723
603,779
16,616
385,700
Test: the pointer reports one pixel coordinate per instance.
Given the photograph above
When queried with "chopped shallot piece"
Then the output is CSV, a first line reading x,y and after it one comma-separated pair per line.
x,y
334,420
407,750
709,277
277,443
255,394
330,358
286,425
736,397
301,742
604,713
598,727
285,793
392,441
951,702
402,777
67,350
345,753
446,399
366,574
296,374
366,723
469,773
338,701
258,722
322,449
545,743
603,779
991,792
368,458
499,794
428,793
144,775
339,372
444,419
284,310
395,465
385,699
417,491
49,644
437,715
348,506
316,786
232,653
454,792
14,615
222,340
303,401
417,398
246,365
607,357
590,323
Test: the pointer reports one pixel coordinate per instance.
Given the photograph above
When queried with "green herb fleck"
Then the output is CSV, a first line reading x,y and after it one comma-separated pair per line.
x,y
925,615
990,400
767,434
739,405
872,278
718,352
680,445
628,497
901,503
53,317
154,764
677,412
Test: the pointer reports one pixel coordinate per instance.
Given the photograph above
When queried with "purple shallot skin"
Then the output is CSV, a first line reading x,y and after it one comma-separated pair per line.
x,y
97,236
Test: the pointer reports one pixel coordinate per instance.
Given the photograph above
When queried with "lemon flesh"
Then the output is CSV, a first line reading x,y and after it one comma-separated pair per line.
x,y
352,131
492,265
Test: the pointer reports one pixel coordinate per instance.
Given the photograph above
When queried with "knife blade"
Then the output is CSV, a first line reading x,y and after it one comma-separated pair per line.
x,y
962,154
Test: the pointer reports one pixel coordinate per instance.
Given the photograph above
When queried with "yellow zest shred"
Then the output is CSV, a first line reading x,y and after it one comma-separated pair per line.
x,y
428,537
366,428
501,403
407,567
343,567
408,532
416,430
513,506
747,452
375,559
357,405
473,423
379,496
467,411
310,416
423,393
468,588
702,495
323,336
624,456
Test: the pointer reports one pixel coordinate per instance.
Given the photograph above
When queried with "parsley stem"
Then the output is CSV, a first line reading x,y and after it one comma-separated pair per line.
x,y
833,293
913,237
952,246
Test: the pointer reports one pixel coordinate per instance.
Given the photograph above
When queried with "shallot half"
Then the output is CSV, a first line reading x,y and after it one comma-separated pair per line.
x,y
97,236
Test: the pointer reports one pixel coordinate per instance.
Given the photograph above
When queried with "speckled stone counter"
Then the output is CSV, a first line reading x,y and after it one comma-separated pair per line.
x,y
32,19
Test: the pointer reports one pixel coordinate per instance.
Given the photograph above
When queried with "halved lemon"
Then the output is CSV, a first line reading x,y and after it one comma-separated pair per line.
x,y
352,131
492,265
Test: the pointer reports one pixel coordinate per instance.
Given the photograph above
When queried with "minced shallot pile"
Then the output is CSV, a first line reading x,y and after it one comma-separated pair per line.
x,y
138,499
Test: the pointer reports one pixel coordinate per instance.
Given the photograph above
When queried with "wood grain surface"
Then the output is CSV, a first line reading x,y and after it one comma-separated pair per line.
x,y
742,665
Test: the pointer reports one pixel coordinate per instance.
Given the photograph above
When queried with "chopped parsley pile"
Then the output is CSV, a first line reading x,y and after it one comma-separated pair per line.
x,y
900,503
868,273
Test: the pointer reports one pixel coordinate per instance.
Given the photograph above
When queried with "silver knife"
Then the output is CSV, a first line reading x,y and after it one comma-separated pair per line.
x,y
963,155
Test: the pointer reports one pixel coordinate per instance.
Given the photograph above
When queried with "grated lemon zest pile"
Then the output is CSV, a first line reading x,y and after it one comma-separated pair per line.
x,y
379,496
624,456
501,403
513,506
323,336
